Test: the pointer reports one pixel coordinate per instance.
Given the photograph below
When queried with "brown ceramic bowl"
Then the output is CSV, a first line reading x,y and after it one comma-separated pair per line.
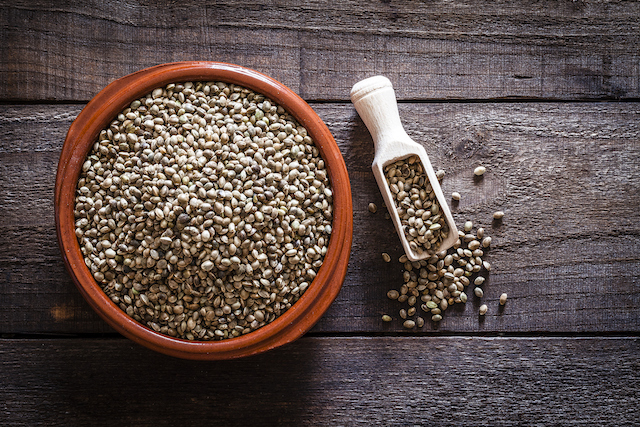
x,y
102,109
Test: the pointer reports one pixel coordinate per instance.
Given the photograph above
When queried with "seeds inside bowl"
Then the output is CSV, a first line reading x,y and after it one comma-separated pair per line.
x,y
204,210
422,220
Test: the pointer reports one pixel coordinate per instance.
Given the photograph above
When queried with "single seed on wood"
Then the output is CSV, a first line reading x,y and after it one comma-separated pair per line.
x,y
498,215
440,174
393,294
480,170
486,242
436,318
503,299
386,318
468,226
409,324
480,233
483,309
478,281
386,257
455,195
419,322
373,208
403,313
478,292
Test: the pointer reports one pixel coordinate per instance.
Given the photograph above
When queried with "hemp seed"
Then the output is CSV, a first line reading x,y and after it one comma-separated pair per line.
x,y
479,171
503,299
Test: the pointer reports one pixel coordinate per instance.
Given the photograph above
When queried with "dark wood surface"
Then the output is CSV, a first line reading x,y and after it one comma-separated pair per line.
x,y
516,86
389,381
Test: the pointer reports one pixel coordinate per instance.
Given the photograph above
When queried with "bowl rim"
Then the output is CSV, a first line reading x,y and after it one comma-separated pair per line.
x,y
102,109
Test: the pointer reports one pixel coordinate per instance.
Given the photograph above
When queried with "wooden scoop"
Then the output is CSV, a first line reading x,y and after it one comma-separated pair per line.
x,y
375,101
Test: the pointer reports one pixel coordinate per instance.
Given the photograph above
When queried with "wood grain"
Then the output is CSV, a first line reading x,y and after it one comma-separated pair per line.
x,y
326,381
565,174
430,50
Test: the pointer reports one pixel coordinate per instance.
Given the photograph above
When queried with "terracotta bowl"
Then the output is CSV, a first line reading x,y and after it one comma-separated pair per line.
x,y
102,109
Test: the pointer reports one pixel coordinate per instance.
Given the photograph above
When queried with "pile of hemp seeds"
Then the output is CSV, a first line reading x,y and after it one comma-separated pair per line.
x,y
204,210
440,281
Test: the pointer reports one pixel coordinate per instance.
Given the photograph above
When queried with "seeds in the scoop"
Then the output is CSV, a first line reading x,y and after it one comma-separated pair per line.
x,y
386,257
483,310
204,210
409,324
373,208
421,219
478,292
386,318
498,215
393,294
455,195
503,299
480,170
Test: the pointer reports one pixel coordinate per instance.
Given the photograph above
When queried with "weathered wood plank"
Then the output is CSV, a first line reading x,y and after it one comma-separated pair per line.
x,y
327,381
566,252
430,50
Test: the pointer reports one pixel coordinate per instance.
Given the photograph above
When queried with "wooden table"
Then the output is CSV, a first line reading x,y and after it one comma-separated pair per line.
x,y
545,94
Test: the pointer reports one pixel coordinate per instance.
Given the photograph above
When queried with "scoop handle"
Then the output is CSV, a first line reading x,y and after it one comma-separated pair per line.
x,y
375,101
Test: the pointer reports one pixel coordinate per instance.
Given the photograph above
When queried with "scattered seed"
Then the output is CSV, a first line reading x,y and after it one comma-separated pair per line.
x,y
455,195
478,281
468,226
386,257
503,299
386,318
483,309
419,322
478,292
440,174
498,215
409,324
436,317
373,208
393,294
480,170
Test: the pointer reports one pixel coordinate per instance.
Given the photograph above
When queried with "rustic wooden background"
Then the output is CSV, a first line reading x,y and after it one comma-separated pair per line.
x,y
546,94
